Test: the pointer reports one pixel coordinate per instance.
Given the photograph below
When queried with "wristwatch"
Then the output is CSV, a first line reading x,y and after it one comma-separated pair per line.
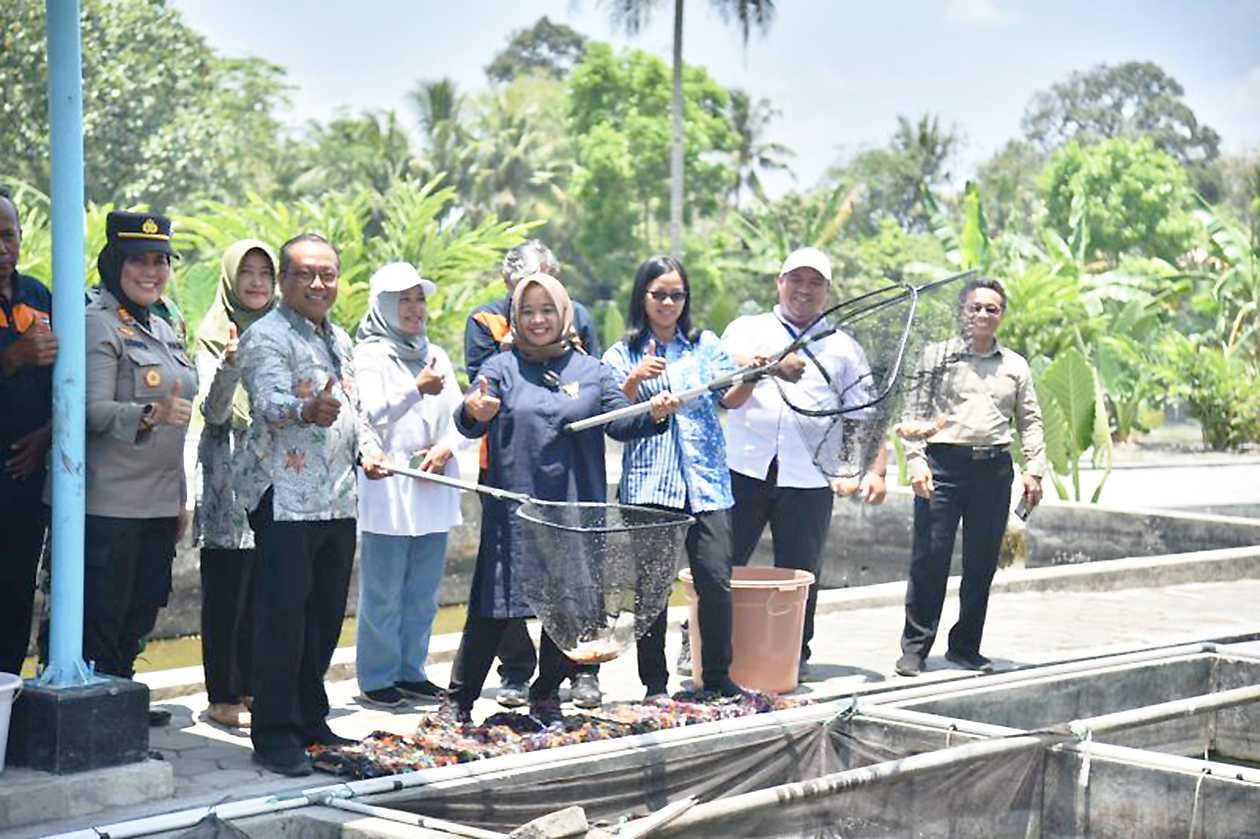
x,y
146,417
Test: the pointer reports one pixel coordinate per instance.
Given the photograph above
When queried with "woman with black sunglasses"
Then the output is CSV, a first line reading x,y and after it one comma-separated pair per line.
x,y
685,468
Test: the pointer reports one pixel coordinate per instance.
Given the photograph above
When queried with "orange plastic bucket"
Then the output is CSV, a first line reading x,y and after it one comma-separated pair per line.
x,y
768,606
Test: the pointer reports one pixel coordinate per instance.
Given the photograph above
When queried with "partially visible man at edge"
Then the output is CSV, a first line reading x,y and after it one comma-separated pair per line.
x,y
297,478
485,334
28,349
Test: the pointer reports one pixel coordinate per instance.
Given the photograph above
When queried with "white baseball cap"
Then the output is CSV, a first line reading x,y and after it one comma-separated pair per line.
x,y
807,258
399,276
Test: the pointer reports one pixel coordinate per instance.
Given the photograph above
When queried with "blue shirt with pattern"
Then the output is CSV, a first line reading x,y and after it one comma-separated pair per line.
x,y
687,465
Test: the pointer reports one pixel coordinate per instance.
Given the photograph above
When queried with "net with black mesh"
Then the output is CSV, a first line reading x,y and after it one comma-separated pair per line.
x,y
597,575
869,377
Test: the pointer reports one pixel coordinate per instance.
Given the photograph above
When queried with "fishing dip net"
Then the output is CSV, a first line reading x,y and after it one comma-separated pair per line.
x,y
877,372
598,575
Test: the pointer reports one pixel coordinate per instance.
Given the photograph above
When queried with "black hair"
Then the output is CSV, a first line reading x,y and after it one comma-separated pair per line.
x,y
285,259
638,328
981,282
8,196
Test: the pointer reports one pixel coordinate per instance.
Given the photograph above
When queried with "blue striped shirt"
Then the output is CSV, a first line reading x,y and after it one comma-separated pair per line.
x,y
687,465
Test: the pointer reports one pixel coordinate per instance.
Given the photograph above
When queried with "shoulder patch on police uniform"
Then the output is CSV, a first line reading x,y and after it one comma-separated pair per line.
x,y
153,378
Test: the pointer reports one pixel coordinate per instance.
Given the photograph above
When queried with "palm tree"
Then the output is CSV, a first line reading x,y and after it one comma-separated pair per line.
x,y
750,120
439,105
631,16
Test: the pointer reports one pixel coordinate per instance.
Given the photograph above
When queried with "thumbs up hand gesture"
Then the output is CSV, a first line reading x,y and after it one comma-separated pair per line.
x,y
322,408
429,381
650,366
37,347
172,410
481,404
232,345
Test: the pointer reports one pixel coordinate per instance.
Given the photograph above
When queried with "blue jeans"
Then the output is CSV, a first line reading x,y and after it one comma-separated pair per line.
x,y
399,577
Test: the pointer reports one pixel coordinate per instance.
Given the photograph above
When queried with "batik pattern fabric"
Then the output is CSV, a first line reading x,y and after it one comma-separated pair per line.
x,y
285,360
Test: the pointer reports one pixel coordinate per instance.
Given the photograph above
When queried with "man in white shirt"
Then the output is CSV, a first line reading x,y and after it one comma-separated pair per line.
x,y
774,477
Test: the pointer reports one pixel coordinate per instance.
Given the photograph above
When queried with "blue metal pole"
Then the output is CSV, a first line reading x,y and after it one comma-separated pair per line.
x,y
65,116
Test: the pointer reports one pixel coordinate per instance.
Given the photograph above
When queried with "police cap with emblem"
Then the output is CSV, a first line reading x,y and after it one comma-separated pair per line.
x,y
133,233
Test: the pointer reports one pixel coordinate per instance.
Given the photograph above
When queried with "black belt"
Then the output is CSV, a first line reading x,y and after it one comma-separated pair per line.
x,y
968,452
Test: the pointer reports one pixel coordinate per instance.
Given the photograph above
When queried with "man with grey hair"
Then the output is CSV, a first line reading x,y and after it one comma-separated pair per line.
x,y
487,327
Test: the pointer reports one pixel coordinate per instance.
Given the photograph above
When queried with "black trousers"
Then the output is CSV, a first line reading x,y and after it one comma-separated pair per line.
x,y
517,657
477,647
300,586
799,520
709,557
979,493
126,580
23,541
227,622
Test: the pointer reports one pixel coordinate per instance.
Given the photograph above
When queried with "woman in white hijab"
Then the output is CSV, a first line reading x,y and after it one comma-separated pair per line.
x,y
408,392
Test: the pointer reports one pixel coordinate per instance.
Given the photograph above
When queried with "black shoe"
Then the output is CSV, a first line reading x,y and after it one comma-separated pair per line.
x,y
803,670
425,690
390,697
969,661
159,717
512,694
684,655
724,689
293,763
909,665
326,737
584,691
547,711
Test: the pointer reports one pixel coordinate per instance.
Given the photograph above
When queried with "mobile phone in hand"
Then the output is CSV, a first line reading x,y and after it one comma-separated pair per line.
x,y
1022,509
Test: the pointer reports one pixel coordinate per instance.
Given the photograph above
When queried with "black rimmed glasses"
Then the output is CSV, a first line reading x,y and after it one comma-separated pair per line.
x,y
306,276
672,296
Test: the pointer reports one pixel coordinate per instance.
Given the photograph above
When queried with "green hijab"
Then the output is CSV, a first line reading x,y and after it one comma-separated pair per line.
x,y
227,309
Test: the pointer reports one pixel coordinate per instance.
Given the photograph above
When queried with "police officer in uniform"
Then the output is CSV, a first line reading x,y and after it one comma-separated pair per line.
x,y
139,386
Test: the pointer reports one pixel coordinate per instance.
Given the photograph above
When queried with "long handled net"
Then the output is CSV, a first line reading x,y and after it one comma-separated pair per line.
x,y
863,374
596,575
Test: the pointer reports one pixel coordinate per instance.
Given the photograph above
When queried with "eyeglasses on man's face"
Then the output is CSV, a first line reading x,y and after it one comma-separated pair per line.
x,y
672,296
987,308
306,276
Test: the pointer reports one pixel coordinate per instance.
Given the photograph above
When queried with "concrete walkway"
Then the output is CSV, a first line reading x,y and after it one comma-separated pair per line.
x,y
854,652
855,647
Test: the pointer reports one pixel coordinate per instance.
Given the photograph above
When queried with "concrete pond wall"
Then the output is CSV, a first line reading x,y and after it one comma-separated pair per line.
x,y
867,545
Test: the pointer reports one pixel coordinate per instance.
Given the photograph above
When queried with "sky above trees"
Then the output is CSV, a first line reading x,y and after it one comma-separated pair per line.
x,y
840,73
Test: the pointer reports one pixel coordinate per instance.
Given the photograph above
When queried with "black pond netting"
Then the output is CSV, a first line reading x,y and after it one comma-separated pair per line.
x,y
598,575
870,378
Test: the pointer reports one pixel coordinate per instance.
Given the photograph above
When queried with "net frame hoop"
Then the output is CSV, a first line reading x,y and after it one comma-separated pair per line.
x,y
906,290
669,518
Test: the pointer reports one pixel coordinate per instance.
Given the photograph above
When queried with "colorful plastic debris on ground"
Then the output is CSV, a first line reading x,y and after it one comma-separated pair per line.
x,y
439,743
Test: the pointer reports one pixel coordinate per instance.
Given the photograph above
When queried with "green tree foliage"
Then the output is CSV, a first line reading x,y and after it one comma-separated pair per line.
x,y
1008,181
165,119
1119,196
1221,390
545,49
619,120
440,108
896,177
352,154
754,154
1130,100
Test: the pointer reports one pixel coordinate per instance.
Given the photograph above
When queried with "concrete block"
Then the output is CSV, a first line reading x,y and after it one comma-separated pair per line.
x,y
28,796
80,728
571,821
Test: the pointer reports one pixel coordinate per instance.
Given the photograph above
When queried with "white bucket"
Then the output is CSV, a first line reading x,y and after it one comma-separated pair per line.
x,y
10,687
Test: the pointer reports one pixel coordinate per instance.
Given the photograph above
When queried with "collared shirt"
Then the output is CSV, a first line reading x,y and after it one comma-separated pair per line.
x,y
133,472
765,428
27,394
686,466
977,394
285,360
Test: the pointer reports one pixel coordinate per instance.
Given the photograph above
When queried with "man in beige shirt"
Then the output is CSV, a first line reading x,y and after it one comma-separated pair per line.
x,y
970,388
